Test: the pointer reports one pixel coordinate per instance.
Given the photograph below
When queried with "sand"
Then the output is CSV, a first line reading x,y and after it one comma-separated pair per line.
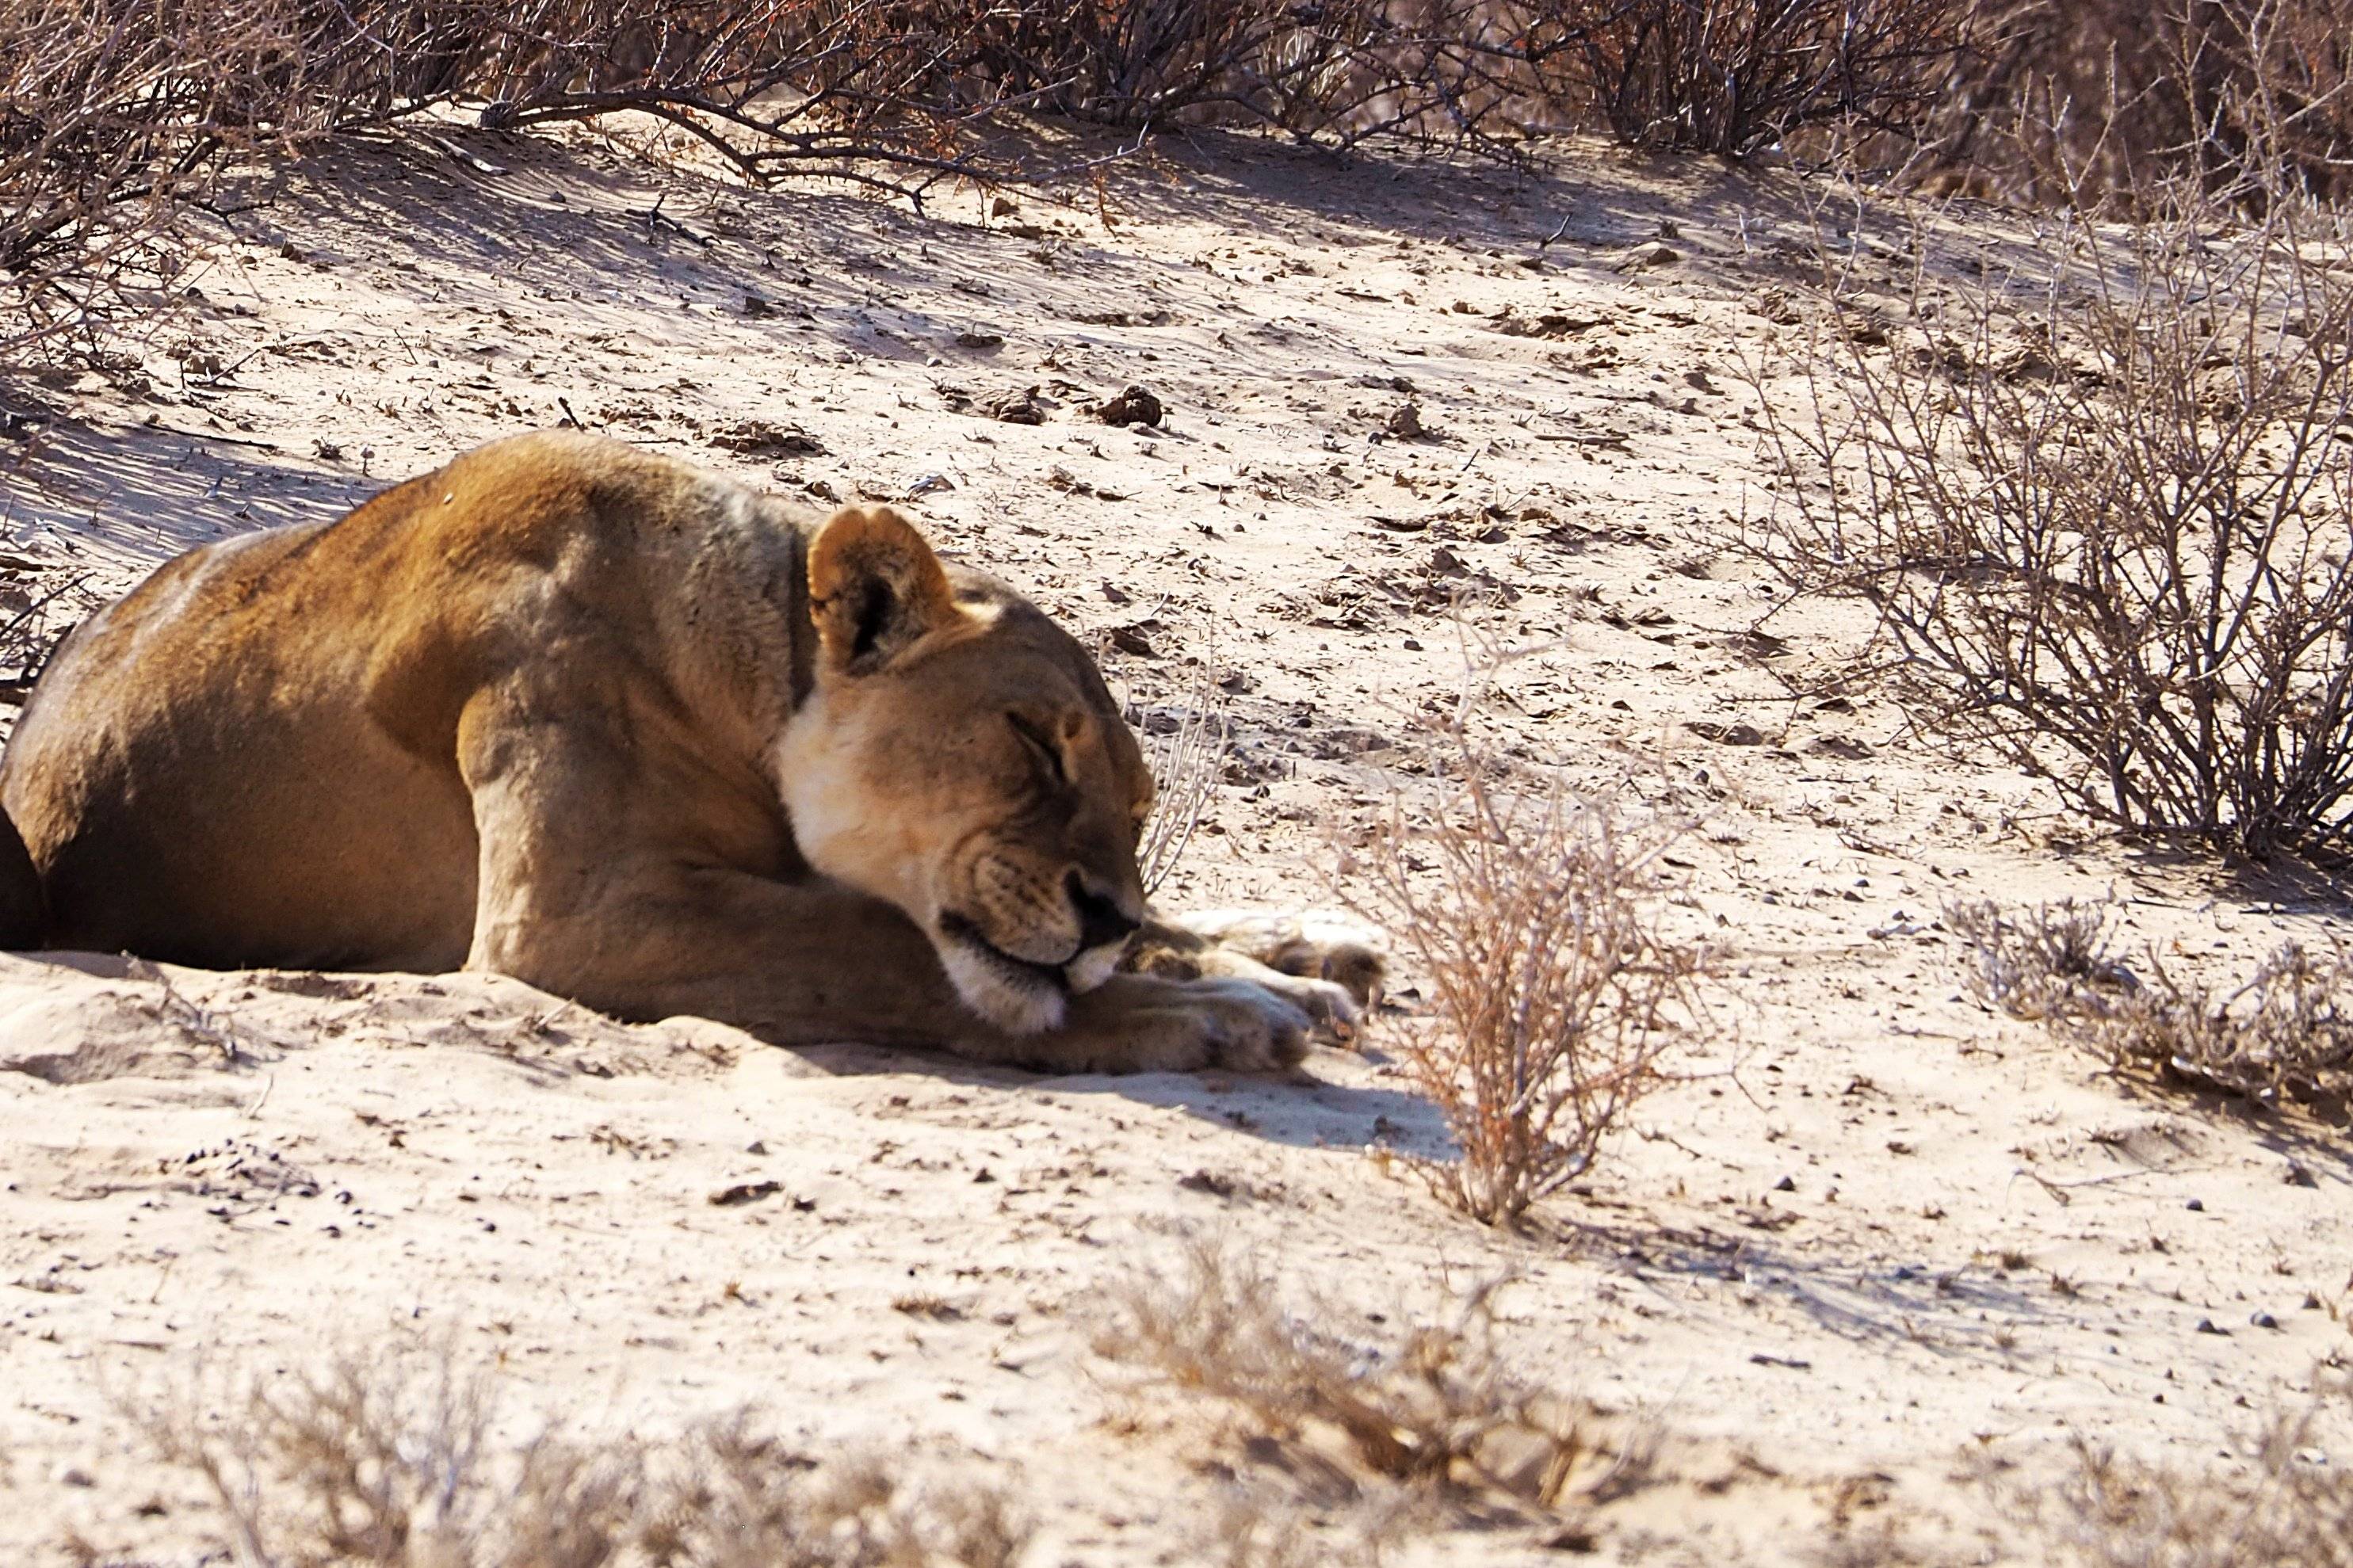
x,y
1884,1240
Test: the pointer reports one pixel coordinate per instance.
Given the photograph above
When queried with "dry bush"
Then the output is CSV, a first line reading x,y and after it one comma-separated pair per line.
x,y
112,112
2284,1034
1187,761
2289,1508
115,114
401,1465
2044,963
2096,102
1732,76
1438,1406
1556,997
2101,504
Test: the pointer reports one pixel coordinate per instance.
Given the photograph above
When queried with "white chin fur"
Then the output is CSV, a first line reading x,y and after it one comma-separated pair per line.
x,y
1094,966
1018,1006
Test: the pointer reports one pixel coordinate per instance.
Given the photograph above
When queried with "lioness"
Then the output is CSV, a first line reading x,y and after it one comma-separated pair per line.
x,y
587,716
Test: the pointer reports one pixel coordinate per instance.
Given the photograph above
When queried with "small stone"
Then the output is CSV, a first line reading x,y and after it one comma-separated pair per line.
x,y
2264,1321
1642,258
743,1193
2196,1205
1404,421
1786,1184
1017,407
2206,1326
1137,405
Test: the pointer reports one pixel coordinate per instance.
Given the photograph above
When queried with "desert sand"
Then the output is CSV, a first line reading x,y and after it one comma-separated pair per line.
x,y
1884,1239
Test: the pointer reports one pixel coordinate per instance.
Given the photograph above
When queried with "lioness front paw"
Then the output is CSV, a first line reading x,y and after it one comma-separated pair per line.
x,y
1143,1023
1246,1027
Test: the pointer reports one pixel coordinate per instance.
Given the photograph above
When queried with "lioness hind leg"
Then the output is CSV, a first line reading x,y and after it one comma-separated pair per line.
x,y
1329,964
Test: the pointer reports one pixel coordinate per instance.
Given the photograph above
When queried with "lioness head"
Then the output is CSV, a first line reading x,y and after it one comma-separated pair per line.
x,y
959,756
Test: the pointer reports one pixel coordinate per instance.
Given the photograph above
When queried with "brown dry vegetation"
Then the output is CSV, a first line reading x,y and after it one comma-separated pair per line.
x,y
2097,502
116,116
412,1463
1557,999
2282,1506
2101,102
1439,1405
2283,1035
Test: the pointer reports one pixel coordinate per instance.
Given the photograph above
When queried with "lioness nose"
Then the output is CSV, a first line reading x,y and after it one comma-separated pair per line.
x,y
1100,919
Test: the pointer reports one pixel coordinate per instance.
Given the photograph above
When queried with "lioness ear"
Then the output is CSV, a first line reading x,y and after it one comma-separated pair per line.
x,y
874,587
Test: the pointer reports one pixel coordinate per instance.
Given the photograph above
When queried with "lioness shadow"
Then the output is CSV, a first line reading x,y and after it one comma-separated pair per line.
x,y
1302,1109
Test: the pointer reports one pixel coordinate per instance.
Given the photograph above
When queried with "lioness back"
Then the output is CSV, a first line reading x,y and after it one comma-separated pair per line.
x,y
252,758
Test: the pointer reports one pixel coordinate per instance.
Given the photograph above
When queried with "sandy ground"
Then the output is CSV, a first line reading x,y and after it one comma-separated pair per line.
x,y
1906,1240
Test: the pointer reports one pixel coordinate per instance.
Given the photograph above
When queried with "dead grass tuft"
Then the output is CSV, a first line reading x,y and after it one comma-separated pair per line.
x,y
1186,763
2286,1506
2284,1034
1436,1406
407,1464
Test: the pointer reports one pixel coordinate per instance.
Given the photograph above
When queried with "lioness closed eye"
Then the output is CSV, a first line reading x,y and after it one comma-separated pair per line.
x,y
589,717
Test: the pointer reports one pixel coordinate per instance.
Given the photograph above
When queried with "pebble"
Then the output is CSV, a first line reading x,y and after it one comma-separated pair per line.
x,y
1137,405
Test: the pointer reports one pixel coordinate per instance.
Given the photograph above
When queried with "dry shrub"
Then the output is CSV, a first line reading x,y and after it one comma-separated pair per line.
x,y
2284,1034
1437,1406
2098,102
401,1465
2044,963
1732,76
116,114
2101,505
1556,997
2288,1508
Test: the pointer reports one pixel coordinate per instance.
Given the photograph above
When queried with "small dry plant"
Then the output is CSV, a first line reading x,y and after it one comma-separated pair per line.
x,y
1556,997
2288,1507
1436,1406
2284,1034
2098,498
1186,762
401,1465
